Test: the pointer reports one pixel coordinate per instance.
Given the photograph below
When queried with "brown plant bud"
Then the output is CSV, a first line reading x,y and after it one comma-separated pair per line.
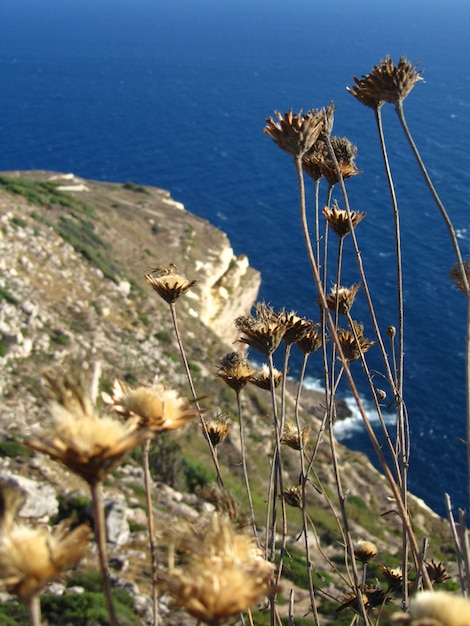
x,y
293,496
263,331
364,550
290,436
262,377
341,299
338,219
295,133
168,283
235,370
218,429
353,343
312,339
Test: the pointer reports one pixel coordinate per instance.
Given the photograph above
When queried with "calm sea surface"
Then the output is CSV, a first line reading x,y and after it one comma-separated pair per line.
x,y
176,97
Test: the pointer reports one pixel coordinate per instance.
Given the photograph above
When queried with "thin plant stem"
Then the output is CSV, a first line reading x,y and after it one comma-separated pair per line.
x,y
100,535
193,393
245,469
151,527
458,255
377,448
34,610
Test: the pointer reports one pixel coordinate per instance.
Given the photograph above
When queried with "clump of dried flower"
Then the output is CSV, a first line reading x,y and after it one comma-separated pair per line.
x,y
341,299
155,408
264,330
262,377
168,283
386,82
223,573
339,221
235,370
292,439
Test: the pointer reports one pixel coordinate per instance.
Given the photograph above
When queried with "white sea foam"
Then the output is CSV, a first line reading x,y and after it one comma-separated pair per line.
x,y
353,425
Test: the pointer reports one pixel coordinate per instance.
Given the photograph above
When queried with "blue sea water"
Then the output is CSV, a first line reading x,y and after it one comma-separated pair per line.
x,y
175,94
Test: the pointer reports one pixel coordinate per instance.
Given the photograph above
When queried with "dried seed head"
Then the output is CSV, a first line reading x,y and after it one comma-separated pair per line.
x,y
263,331
351,601
168,283
235,370
296,327
290,436
386,83
293,496
345,153
312,339
338,219
353,343
296,133
439,608
218,429
32,557
437,572
223,574
90,445
341,299
262,377
364,550
393,577
155,408
223,501
456,274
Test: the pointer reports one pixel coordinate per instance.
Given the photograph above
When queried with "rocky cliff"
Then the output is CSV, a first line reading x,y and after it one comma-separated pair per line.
x,y
73,255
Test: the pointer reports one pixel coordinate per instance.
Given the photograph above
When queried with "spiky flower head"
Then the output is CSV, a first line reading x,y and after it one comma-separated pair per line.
x,y
262,377
338,219
387,82
292,439
32,557
437,572
293,496
264,330
393,577
235,370
345,152
365,550
296,327
218,429
296,133
168,283
156,408
353,342
90,445
223,573
341,299
457,274
312,340
437,608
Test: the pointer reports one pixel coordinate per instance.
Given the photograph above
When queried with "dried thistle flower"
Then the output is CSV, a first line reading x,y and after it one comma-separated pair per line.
x,y
92,446
224,573
296,327
296,133
365,550
155,408
341,299
218,429
290,436
223,501
235,370
312,340
437,608
386,83
456,274
168,283
338,219
262,377
393,577
313,160
353,348
345,153
293,496
32,557
264,330
437,572
351,601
